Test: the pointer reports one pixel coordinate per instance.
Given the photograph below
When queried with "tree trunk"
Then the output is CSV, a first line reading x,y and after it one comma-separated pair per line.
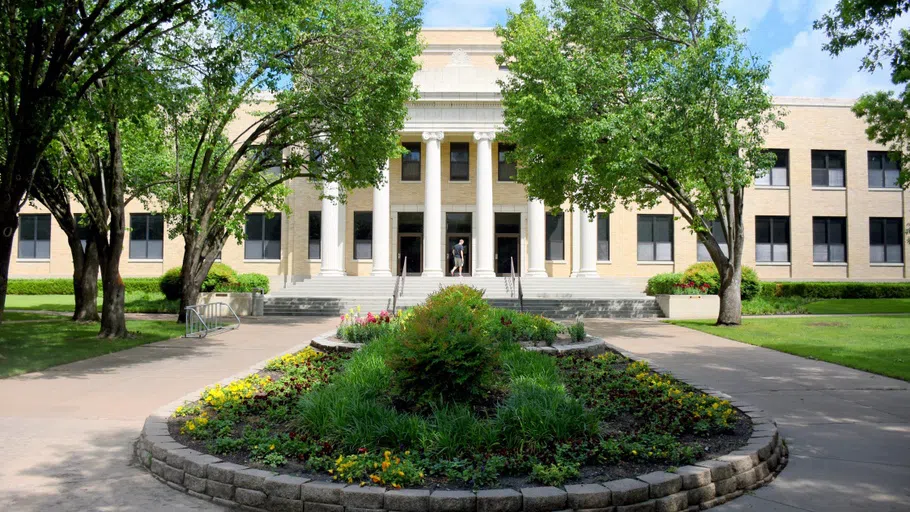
x,y
113,320
731,304
85,281
195,268
9,222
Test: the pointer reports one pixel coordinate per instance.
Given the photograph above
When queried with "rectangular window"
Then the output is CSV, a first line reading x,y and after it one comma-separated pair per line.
x,y
459,159
829,239
883,171
886,240
410,162
603,236
314,237
363,235
82,230
655,238
35,236
772,239
828,168
556,236
507,169
146,236
779,175
717,230
263,237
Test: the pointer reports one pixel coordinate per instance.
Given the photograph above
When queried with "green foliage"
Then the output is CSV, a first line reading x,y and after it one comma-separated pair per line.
x,y
763,305
459,294
221,278
219,275
705,275
171,283
577,331
843,290
245,283
61,286
362,329
554,474
663,284
646,447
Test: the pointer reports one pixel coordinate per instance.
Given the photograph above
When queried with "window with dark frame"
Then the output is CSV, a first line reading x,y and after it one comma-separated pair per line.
x,y
779,175
772,239
314,235
363,235
883,172
717,229
34,236
82,230
459,161
556,237
829,239
886,240
410,162
263,237
603,236
655,237
507,169
829,169
146,236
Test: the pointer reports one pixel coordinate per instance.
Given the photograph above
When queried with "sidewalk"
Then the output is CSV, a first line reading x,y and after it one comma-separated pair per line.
x,y
67,432
848,431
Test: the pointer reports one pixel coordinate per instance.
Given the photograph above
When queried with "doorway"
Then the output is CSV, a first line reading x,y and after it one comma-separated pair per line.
x,y
410,243
508,243
458,227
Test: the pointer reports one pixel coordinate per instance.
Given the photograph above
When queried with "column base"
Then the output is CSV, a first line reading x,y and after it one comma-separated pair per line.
x,y
483,273
587,274
332,273
536,273
431,273
381,273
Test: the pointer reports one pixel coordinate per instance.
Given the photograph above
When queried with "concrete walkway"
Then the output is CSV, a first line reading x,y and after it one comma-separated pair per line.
x,y
66,434
848,431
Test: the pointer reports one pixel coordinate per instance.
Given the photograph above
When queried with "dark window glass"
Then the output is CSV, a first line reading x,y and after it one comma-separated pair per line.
x,y
829,239
508,223
779,175
828,168
34,236
314,236
263,237
458,222
556,236
459,158
772,239
655,238
410,222
883,172
146,236
363,235
886,240
507,169
603,236
717,230
410,162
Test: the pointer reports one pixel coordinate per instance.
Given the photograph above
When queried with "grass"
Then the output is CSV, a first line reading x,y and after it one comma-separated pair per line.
x,y
36,345
136,302
878,344
804,306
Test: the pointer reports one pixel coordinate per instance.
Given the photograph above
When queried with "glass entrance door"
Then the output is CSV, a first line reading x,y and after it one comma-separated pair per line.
x,y
507,252
410,246
458,227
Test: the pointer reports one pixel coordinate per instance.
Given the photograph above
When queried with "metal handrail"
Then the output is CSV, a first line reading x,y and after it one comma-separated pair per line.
x,y
399,285
203,319
516,278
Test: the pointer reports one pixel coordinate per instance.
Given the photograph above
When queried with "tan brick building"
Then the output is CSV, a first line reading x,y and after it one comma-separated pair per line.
x,y
830,210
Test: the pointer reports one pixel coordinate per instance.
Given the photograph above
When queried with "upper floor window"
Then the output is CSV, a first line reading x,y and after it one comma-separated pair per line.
x,y
410,162
829,239
35,236
314,235
828,168
459,161
883,172
655,238
717,229
772,239
603,236
507,169
886,240
363,235
146,236
556,236
263,237
779,175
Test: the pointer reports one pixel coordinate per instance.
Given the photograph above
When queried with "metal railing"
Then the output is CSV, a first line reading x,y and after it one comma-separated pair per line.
x,y
399,285
203,319
516,285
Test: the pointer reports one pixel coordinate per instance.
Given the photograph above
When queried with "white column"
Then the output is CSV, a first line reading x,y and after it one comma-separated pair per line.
x,y
576,241
537,227
381,216
432,209
588,245
485,222
329,232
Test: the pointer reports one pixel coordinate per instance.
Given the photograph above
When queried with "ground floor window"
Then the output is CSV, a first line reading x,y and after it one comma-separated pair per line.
x,y
772,239
146,236
314,237
655,238
263,237
363,235
556,236
717,229
603,236
35,236
829,239
886,240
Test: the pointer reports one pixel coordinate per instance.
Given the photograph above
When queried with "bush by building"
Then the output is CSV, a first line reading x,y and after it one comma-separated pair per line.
x,y
64,286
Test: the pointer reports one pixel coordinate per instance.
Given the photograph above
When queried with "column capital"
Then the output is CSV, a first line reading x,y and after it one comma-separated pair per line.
x,y
488,136
437,136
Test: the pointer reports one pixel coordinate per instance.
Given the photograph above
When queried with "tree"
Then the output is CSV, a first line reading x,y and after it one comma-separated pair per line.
x,y
868,23
313,90
653,100
51,54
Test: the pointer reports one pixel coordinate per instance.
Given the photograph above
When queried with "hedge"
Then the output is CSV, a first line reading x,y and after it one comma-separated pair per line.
x,y
663,284
838,290
64,286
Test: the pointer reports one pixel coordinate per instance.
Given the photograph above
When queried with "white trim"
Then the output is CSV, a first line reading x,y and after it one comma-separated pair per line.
x,y
772,264
885,189
895,265
140,260
264,261
33,260
355,260
829,189
460,182
416,182
556,261
655,262
772,187
604,262
311,260
829,263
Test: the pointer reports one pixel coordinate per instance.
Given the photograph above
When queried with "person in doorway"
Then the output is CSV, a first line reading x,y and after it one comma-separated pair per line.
x,y
458,256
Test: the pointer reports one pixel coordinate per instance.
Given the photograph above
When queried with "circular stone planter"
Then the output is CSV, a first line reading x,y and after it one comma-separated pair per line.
x,y
328,342
700,486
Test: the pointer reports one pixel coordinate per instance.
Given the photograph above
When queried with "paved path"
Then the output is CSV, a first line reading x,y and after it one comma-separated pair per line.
x,y
66,434
848,431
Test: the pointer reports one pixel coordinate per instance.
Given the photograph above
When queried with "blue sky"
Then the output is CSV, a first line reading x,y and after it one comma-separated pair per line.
x,y
779,31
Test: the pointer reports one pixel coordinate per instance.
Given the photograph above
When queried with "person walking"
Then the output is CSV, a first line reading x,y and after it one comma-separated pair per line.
x,y
458,256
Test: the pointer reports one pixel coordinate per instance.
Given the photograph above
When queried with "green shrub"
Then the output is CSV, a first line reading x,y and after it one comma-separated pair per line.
x,y
554,474
663,284
172,283
839,290
704,276
577,331
64,286
460,294
545,330
219,274
246,283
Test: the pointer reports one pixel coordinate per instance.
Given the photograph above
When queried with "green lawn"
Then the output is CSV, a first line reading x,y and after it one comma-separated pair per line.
x,y
32,346
879,344
802,306
136,302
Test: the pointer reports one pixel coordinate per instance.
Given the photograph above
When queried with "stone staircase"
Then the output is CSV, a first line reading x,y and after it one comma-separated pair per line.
x,y
553,297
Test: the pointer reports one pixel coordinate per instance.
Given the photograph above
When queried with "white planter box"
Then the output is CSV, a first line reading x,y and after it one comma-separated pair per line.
x,y
689,307
241,302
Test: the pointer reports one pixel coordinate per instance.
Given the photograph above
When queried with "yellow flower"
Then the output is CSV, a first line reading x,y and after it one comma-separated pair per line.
x,y
385,465
634,452
407,452
387,454
401,473
331,471
271,447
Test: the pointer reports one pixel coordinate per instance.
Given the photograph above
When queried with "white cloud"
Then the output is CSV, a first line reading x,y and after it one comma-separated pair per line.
x,y
747,13
791,10
467,13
